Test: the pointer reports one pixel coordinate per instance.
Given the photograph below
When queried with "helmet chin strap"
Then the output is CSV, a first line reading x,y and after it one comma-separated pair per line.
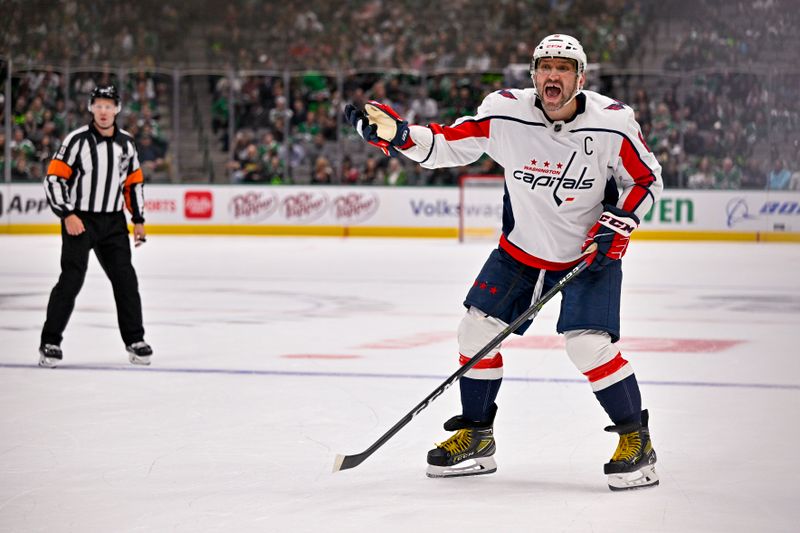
x,y
578,89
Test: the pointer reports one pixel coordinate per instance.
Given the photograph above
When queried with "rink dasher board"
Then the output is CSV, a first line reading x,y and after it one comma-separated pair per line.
x,y
340,211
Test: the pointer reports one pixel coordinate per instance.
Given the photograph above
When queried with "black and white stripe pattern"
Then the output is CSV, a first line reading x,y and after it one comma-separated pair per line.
x,y
92,173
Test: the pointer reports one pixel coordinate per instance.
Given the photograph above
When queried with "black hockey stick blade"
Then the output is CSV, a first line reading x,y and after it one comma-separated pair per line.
x,y
345,462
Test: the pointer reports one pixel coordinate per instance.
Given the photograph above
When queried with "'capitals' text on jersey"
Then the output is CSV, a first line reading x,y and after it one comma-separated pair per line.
x,y
557,174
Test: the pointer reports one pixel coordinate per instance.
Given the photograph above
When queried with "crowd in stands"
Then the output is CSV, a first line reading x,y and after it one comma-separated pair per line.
x,y
739,33
44,32
46,107
416,34
710,130
738,130
724,114
713,132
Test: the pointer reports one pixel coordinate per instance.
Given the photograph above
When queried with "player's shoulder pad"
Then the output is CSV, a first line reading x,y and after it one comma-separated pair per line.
x,y
609,110
502,102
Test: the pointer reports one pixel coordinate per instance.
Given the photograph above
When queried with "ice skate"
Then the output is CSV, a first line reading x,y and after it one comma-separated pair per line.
x,y
139,353
467,453
50,355
633,463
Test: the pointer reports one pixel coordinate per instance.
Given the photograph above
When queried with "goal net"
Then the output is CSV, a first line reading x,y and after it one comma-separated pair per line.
x,y
480,207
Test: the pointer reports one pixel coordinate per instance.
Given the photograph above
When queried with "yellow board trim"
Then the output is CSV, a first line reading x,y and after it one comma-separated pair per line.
x,y
402,232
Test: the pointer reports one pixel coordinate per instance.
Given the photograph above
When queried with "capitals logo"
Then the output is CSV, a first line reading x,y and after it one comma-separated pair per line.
x,y
554,178
616,106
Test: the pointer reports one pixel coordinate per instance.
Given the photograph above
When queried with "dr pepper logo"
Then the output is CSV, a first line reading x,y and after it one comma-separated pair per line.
x,y
354,207
198,204
304,206
253,205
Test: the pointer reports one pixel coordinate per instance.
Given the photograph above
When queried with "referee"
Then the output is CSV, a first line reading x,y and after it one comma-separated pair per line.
x,y
95,170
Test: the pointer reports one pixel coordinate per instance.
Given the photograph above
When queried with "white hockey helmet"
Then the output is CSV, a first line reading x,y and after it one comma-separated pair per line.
x,y
563,46
559,45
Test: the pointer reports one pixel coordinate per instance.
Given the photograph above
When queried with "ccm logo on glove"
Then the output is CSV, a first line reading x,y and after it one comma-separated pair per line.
x,y
620,225
611,245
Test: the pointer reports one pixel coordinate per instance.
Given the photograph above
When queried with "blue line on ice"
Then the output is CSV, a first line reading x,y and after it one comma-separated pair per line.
x,y
241,372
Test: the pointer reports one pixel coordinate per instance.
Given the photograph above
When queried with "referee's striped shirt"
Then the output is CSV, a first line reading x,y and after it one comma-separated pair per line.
x,y
96,174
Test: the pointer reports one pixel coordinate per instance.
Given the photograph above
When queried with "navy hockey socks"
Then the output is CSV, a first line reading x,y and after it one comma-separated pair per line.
x,y
622,401
477,397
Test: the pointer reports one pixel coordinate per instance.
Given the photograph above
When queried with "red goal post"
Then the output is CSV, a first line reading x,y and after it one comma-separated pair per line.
x,y
480,206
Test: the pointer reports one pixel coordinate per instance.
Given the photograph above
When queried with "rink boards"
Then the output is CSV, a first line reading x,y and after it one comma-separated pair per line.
x,y
404,212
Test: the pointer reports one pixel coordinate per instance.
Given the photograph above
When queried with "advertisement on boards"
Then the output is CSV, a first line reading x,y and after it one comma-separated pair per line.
x,y
387,208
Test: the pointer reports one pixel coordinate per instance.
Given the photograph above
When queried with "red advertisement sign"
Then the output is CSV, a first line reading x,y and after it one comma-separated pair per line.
x,y
198,204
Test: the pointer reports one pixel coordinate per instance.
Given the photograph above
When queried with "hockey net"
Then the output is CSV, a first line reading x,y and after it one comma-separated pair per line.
x,y
480,207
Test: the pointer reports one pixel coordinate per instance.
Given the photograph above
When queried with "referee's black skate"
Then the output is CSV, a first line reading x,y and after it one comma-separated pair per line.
x,y
467,453
633,463
50,355
139,353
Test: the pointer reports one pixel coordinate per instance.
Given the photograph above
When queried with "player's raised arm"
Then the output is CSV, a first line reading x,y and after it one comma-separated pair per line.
x,y
432,146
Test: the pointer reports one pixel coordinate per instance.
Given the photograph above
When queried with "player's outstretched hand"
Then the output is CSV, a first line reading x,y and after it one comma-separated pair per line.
x,y
611,232
381,127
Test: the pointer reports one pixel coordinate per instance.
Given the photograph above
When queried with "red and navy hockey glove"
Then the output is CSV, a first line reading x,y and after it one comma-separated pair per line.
x,y
381,127
611,233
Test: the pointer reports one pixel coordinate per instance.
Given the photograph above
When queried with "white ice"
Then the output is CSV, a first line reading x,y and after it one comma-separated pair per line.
x,y
272,355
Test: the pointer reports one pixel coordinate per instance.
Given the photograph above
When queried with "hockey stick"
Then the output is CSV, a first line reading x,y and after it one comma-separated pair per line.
x,y
343,462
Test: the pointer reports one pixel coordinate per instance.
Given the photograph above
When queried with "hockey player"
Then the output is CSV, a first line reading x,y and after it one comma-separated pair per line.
x,y
577,171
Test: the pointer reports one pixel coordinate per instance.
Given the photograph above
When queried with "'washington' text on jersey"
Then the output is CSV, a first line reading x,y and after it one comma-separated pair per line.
x,y
558,174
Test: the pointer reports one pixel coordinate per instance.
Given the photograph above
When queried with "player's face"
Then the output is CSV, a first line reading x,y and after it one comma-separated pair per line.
x,y
104,110
556,80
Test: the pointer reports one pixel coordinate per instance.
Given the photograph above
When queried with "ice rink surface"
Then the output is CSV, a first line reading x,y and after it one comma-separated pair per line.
x,y
272,355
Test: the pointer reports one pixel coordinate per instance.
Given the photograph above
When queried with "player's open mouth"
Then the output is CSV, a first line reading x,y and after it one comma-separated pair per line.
x,y
552,91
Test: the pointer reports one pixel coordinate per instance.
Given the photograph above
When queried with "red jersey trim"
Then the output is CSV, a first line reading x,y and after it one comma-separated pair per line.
x,y
532,260
465,130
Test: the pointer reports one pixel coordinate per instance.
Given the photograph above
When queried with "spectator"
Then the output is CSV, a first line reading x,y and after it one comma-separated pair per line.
x,y
274,170
279,115
251,165
779,177
319,148
729,176
372,173
702,177
20,144
396,174
423,108
349,174
20,171
45,151
151,156
794,183
323,172
268,146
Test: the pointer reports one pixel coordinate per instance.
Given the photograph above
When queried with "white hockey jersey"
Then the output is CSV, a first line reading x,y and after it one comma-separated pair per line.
x,y
557,174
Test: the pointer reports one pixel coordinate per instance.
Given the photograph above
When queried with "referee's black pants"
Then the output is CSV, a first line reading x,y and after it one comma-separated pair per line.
x,y
107,235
